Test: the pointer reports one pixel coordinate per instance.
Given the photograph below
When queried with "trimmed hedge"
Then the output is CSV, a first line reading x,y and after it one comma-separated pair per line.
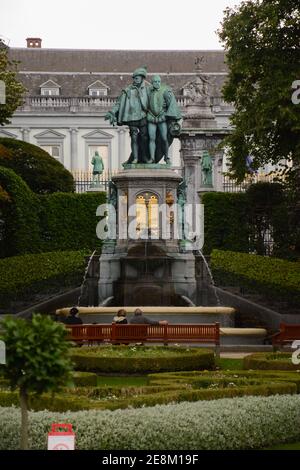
x,y
238,423
68,221
272,277
42,173
84,379
23,276
270,361
97,359
225,227
163,389
20,214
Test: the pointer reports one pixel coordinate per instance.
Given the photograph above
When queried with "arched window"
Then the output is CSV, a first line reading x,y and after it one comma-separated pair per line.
x,y
147,216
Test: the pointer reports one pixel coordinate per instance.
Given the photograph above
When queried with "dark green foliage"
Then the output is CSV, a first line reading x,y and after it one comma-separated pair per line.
x,y
225,221
42,173
270,361
84,379
23,276
243,221
20,214
95,359
261,38
37,357
68,221
13,88
273,277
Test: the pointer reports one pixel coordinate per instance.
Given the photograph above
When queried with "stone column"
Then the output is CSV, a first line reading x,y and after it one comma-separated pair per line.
x,y
190,153
73,149
25,134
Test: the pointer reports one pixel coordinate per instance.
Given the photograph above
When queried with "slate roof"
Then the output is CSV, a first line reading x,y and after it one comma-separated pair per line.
x,y
94,60
75,69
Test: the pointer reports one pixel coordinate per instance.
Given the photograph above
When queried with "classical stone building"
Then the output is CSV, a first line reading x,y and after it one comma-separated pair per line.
x,y
70,91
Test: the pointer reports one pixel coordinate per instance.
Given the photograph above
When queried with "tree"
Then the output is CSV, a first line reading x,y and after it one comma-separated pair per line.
x,y
43,173
37,359
14,90
261,38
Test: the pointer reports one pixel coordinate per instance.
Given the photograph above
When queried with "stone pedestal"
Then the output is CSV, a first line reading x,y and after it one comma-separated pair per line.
x,y
148,269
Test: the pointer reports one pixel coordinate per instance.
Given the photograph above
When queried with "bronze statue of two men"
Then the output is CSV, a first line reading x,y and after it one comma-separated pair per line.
x,y
152,114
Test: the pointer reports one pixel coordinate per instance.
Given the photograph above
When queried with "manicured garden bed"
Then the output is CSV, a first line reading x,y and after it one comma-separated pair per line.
x,y
270,361
140,359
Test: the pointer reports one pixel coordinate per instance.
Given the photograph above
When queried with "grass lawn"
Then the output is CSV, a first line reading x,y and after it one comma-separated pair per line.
x,y
229,364
123,381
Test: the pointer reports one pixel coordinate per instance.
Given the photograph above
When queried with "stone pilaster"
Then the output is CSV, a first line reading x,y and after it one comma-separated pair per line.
x,y
73,148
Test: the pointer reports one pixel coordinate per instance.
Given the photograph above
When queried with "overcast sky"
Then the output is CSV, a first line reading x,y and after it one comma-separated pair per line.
x,y
114,24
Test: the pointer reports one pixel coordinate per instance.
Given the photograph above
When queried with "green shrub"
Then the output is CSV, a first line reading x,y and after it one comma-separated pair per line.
x,y
272,277
161,392
236,423
20,215
68,221
42,173
23,276
84,379
225,216
270,361
97,359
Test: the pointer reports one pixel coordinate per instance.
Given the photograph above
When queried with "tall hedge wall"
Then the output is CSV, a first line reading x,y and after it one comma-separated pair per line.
x,y
273,277
68,221
50,222
225,221
21,233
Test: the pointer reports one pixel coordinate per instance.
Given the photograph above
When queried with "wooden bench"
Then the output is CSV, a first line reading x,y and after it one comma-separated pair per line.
x,y
125,334
287,334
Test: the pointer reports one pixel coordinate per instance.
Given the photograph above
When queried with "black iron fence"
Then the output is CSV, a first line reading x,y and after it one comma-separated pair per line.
x,y
85,180
230,185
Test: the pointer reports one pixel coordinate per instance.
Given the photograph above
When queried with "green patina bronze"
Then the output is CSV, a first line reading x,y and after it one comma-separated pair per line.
x,y
152,114
206,166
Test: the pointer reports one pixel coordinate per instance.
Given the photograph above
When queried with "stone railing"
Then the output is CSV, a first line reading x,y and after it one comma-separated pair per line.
x,y
67,103
97,103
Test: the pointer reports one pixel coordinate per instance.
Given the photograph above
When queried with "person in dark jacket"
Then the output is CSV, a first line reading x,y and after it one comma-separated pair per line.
x,y
72,318
140,319
120,318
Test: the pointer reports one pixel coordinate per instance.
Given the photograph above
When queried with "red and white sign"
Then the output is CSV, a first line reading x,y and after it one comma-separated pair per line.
x,y
61,440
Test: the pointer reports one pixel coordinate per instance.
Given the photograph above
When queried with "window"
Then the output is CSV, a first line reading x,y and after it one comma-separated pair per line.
x,y
147,216
97,91
50,91
53,150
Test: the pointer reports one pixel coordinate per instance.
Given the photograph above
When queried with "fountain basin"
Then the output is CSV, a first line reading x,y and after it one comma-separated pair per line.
x,y
223,315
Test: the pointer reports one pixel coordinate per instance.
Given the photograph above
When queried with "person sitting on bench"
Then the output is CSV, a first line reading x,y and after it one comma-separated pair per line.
x,y
140,319
72,318
120,318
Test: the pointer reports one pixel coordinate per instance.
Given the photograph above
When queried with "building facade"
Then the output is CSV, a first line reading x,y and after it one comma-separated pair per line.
x,y
70,91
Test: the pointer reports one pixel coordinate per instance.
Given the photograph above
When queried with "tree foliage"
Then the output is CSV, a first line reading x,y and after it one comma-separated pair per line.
x,y
261,38
39,170
13,88
37,359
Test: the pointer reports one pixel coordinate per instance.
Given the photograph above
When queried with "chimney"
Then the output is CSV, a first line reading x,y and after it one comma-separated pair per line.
x,y
34,43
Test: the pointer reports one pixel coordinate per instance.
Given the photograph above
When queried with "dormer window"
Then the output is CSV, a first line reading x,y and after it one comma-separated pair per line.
x,y
98,88
50,88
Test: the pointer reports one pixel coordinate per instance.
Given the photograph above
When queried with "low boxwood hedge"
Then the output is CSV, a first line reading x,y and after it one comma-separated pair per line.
x,y
163,388
140,359
23,276
227,424
84,379
272,277
270,361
